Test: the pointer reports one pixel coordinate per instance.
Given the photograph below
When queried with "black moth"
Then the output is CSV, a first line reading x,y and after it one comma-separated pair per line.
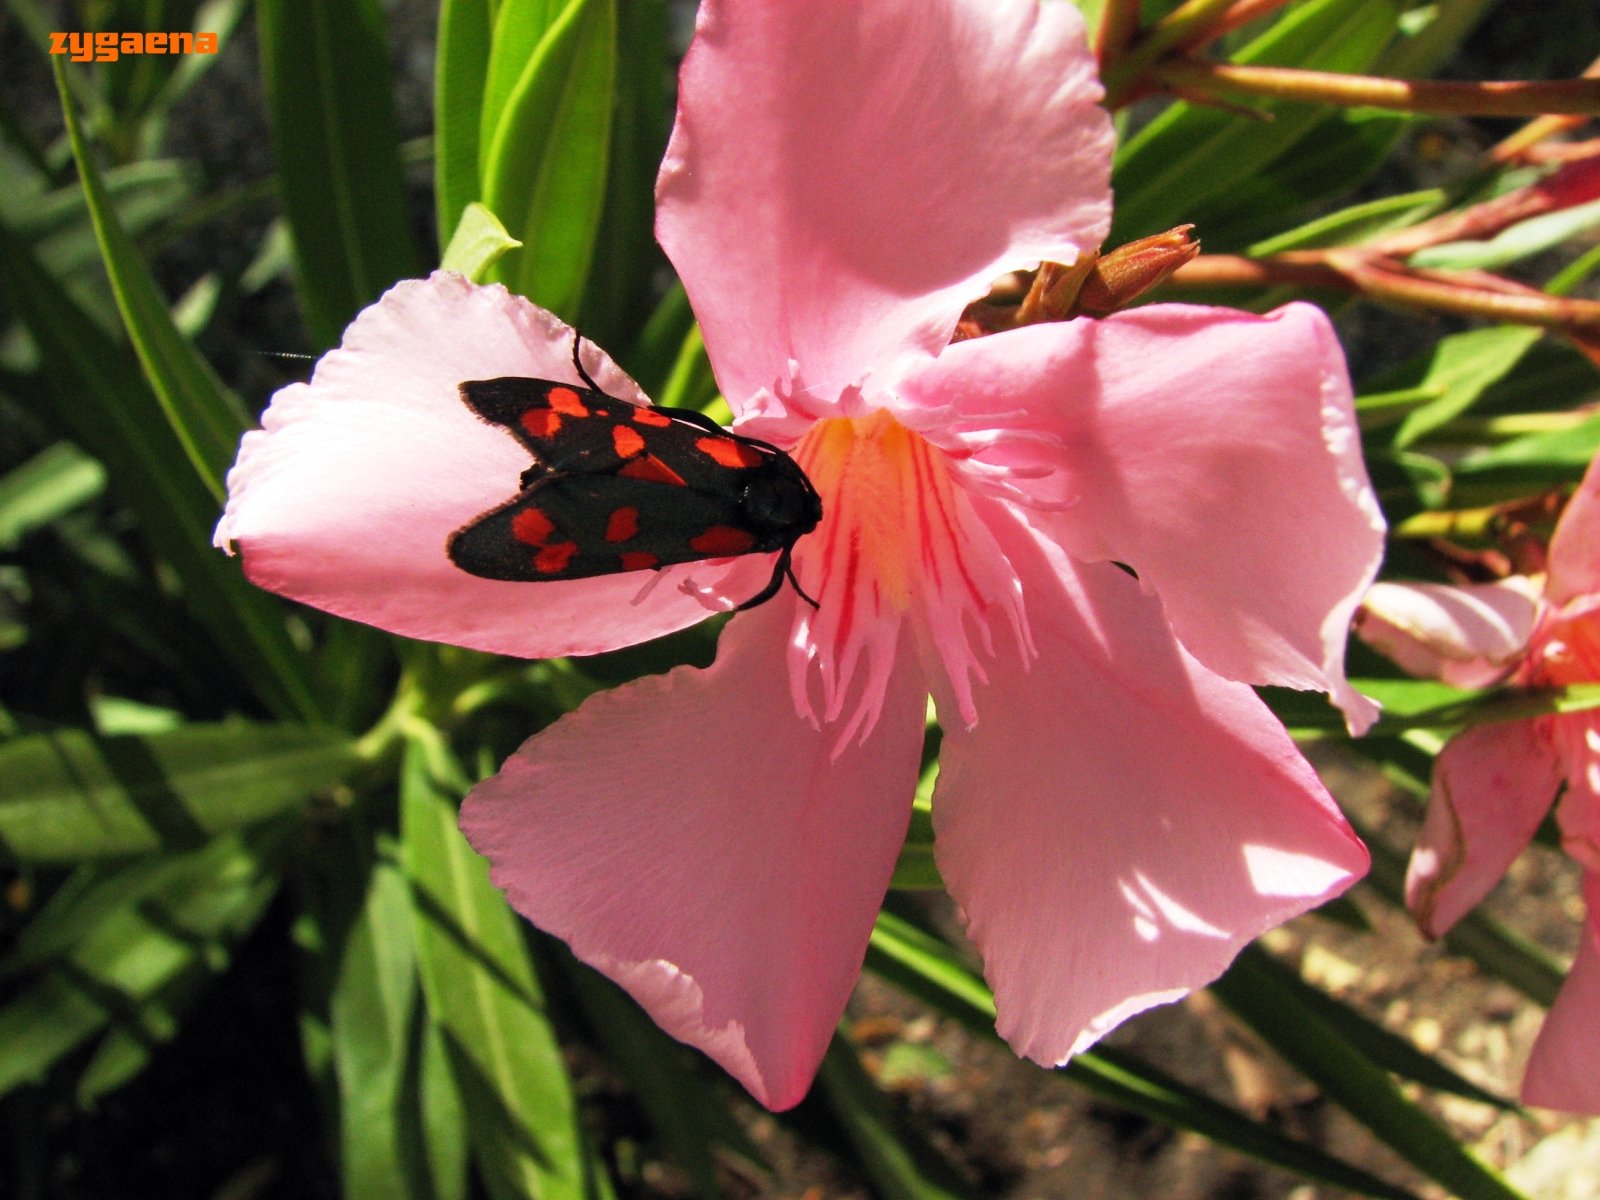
x,y
620,487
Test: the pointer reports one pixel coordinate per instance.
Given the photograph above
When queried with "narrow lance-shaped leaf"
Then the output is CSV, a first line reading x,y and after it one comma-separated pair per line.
x,y
900,1163
108,410
926,968
1257,990
373,1012
544,170
460,72
1189,155
621,294
73,796
50,484
336,145
135,964
484,996
207,418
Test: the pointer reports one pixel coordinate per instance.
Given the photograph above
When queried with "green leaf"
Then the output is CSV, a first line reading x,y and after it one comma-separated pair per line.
x,y
544,167
1190,157
52,483
477,244
1384,1049
483,994
461,72
622,285
207,418
135,967
1256,991
1426,704
1461,368
916,868
1549,459
926,968
336,144
1331,159
72,796
899,1162
374,1032
105,407
1511,245
143,194
1355,223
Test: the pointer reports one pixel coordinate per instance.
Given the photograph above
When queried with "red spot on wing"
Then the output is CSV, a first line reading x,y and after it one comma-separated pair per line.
x,y
566,400
721,540
541,422
532,526
637,560
729,453
623,524
626,440
553,560
649,416
652,470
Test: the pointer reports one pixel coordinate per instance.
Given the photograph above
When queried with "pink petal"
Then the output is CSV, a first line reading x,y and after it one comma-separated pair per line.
x,y
1492,786
1466,636
1121,821
1564,1068
1576,738
695,840
346,497
1215,452
844,178
1574,564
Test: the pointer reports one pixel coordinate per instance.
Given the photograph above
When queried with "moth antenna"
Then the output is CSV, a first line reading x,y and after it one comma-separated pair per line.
x,y
577,361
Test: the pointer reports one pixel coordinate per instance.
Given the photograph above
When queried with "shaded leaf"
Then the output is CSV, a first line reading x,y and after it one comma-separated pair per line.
x,y
53,482
206,417
134,969
1257,993
482,993
926,968
72,796
336,145
104,406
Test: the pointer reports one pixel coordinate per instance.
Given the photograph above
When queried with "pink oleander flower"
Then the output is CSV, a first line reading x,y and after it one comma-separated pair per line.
x,y
1493,784
1117,812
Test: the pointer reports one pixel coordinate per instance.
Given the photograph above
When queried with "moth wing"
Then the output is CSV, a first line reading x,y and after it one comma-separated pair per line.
x,y
579,526
564,427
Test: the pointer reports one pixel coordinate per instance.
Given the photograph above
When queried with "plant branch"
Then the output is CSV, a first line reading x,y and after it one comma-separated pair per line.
x,y
1227,81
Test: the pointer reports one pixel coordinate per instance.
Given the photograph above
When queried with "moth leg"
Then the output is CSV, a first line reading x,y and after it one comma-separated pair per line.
x,y
787,563
782,569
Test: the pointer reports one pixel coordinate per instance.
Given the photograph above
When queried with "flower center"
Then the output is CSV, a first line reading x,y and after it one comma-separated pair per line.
x,y
1568,653
878,482
899,541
